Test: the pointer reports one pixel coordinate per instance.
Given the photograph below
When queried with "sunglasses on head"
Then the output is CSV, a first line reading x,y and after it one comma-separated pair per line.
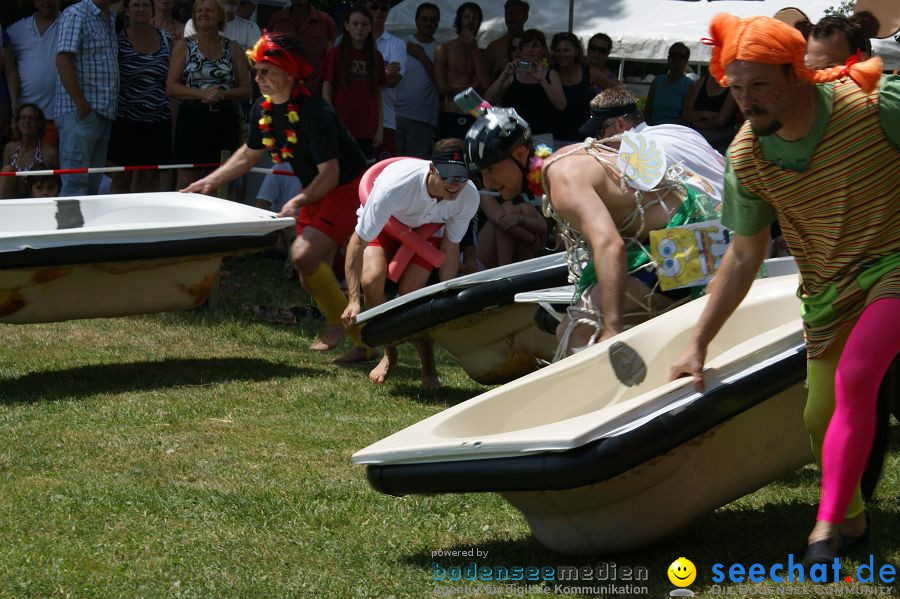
x,y
600,49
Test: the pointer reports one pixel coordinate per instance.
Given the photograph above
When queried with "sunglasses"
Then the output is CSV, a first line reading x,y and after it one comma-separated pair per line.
x,y
678,55
457,180
379,7
600,49
262,71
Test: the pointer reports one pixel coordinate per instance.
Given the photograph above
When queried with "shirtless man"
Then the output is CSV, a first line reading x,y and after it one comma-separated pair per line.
x,y
459,64
515,13
593,202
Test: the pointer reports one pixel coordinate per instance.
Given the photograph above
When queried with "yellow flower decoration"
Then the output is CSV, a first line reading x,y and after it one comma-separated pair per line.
x,y
265,127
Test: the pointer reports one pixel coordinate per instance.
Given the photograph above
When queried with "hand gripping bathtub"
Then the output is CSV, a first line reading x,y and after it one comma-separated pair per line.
x,y
413,241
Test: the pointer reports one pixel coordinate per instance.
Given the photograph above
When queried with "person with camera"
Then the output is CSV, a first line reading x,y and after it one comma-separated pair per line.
x,y
529,86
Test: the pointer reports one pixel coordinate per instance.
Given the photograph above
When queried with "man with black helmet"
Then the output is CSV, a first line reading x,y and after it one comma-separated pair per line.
x,y
604,219
499,145
415,193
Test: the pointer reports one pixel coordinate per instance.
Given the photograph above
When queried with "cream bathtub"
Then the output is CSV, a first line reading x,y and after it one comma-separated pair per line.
x,y
102,256
601,452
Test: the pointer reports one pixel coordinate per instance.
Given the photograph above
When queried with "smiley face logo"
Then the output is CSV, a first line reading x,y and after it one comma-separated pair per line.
x,y
682,572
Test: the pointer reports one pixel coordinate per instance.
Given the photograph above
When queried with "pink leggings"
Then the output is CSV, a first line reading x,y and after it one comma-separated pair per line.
x,y
870,349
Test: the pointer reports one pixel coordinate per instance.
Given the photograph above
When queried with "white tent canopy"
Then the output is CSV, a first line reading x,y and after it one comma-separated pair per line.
x,y
640,29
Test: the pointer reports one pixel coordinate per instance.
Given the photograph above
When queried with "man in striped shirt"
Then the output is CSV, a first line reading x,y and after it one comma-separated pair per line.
x,y
819,150
87,90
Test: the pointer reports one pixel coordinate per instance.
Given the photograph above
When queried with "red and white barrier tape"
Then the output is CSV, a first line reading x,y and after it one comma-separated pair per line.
x,y
122,169
155,167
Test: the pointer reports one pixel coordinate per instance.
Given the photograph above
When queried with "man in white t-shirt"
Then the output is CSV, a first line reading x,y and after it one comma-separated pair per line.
x,y
238,29
417,96
614,111
33,41
414,192
393,49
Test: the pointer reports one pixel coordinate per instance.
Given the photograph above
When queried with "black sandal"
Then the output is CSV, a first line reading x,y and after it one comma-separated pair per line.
x,y
849,543
821,552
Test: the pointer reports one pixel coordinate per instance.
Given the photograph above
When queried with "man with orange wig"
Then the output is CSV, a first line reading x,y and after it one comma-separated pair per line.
x,y
818,151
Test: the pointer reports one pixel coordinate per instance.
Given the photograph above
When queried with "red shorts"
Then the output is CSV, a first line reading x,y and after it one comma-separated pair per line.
x,y
390,245
334,215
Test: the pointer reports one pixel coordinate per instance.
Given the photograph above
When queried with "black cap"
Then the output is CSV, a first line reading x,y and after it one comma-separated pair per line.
x,y
591,128
450,165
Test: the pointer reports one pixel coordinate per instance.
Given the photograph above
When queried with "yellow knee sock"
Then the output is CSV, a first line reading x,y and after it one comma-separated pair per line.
x,y
820,407
323,286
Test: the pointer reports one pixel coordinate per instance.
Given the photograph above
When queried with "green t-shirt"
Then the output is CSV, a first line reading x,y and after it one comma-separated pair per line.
x,y
746,214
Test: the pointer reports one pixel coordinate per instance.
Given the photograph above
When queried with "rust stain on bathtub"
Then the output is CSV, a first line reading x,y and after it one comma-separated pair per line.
x,y
45,275
200,290
11,302
516,364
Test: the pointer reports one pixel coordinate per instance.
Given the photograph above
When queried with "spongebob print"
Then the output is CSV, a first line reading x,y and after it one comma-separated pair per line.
x,y
689,255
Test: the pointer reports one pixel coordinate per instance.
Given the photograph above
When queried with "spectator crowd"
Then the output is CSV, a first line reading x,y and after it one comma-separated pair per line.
x,y
83,79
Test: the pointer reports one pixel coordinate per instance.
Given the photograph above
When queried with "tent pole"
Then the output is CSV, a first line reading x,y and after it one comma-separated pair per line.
x,y
571,15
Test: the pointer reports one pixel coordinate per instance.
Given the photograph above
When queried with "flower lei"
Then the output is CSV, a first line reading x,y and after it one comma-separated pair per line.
x,y
535,164
265,126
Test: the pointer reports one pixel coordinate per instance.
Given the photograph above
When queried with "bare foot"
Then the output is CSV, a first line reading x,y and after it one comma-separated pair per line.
x,y
355,355
328,339
380,373
431,381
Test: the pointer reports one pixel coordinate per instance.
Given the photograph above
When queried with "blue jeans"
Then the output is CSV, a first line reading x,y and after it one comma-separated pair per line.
x,y
82,143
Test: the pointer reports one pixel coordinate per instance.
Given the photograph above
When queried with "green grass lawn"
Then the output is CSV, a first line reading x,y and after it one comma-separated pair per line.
x,y
207,454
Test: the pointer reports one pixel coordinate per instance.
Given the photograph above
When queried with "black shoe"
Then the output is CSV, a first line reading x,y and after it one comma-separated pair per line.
x,y
821,552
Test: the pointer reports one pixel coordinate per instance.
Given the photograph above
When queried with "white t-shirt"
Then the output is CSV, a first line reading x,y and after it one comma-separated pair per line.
x,y
416,95
278,189
685,145
399,191
36,61
393,49
244,32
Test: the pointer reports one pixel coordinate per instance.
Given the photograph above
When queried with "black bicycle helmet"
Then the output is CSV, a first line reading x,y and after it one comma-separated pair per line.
x,y
494,136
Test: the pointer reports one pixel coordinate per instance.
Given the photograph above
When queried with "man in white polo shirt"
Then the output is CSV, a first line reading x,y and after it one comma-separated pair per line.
x,y
393,49
415,192
33,41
